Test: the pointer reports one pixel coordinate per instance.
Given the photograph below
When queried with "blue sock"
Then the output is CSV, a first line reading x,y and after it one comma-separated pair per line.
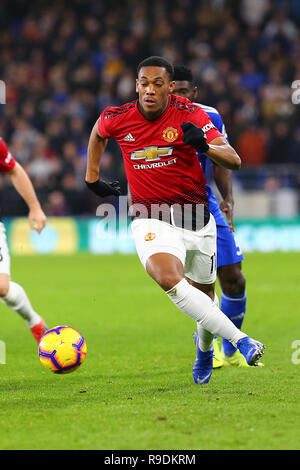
x,y
234,307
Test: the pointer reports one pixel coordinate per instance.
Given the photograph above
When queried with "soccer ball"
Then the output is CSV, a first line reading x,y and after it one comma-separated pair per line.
x,y
62,349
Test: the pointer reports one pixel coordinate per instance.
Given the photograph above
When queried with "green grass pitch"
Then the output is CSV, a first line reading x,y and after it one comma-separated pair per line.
x,y
135,390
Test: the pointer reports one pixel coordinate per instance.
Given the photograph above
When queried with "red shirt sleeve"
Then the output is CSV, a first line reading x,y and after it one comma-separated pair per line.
x,y
7,161
103,126
203,120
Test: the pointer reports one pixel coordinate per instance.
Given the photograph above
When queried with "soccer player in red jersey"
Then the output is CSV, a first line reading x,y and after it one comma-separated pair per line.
x,y
11,293
229,254
159,135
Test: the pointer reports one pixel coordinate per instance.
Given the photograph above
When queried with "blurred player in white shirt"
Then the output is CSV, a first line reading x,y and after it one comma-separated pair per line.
x,y
11,293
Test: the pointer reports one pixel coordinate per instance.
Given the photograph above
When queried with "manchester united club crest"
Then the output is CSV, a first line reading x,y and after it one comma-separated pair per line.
x,y
170,134
149,237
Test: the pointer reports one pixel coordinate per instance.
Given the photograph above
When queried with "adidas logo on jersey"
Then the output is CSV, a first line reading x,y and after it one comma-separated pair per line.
x,y
129,138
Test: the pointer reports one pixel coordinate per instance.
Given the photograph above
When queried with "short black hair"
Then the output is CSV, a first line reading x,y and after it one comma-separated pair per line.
x,y
182,73
156,61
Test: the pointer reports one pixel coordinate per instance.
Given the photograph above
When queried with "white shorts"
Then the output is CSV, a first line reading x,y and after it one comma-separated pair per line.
x,y
4,253
196,250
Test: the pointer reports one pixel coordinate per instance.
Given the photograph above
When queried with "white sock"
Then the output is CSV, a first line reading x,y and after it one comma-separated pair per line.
x,y
204,311
17,300
205,338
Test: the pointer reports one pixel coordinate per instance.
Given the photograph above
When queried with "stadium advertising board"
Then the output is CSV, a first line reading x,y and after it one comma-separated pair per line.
x,y
67,235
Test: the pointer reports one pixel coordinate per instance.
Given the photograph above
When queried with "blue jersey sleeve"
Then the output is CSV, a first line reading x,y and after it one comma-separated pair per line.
x,y
207,167
218,122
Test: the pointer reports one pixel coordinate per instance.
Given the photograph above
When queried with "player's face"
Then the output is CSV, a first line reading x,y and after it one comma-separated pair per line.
x,y
185,89
153,86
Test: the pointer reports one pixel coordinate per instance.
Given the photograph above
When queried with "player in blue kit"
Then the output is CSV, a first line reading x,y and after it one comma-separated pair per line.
x,y
229,254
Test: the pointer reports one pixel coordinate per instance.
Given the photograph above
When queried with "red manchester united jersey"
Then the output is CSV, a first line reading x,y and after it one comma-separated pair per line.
x,y
160,168
7,162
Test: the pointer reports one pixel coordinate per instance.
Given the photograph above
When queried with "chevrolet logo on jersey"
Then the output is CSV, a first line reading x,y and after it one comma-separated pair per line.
x,y
152,154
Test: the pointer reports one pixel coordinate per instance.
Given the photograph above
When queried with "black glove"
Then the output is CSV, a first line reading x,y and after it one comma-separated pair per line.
x,y
105,189
194,136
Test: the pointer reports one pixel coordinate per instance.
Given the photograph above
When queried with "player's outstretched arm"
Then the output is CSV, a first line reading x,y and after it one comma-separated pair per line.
x,y
223,179
218,149
22,183
221,153
96,147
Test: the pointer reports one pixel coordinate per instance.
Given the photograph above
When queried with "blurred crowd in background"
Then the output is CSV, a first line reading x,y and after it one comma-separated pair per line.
x,y
64,61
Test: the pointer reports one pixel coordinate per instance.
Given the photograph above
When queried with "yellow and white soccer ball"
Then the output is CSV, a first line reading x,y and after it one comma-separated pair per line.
x,y
62,349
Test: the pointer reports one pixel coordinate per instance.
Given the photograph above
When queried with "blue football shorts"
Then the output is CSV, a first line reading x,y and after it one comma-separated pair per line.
x,y
228,250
